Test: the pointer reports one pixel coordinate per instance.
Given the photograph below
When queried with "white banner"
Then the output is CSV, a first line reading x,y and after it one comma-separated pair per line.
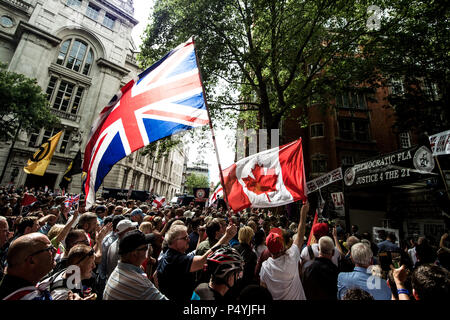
x,y
440,143
324,180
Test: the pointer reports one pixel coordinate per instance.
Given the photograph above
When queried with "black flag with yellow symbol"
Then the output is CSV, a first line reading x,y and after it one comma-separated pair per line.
x,y
73,168
42,157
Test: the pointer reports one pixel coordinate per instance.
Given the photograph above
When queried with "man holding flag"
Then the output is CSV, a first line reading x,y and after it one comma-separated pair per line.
x,y
165,99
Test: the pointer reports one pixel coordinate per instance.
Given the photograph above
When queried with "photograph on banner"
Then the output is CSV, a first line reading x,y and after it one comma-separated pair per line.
x,y
379,231
440,143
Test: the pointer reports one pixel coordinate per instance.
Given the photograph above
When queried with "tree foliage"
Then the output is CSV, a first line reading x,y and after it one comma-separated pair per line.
x,y
270,52
411,50
23,103
196,181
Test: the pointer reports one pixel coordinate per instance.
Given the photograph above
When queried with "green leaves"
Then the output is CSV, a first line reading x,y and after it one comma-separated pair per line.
x,y
24,103
196,181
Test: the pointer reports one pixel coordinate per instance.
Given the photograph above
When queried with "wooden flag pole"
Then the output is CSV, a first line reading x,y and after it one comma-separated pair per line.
x,y
222,181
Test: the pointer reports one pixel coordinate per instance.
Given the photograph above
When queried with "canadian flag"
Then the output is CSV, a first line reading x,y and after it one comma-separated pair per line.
x,y
159,202
217,193
270,178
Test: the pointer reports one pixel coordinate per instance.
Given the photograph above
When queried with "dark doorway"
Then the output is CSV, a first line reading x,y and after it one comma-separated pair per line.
x,y
34,181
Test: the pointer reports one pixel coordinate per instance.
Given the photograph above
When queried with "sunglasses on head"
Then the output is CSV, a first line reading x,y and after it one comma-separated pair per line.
x,y
89,254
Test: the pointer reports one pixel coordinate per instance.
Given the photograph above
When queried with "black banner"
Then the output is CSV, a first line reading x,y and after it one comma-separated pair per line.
x,y
400,167
121,194
201,194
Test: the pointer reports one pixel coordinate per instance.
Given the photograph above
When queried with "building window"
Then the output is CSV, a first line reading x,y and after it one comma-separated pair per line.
x,y
92,11
397,87
64,142
317,130
6,22
64,96
76,55
405,140
108,21
347,160
351,99
74,3
319,165
431,90
34,135
354,129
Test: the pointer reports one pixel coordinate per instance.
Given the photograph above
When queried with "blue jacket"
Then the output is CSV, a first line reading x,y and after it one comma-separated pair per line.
x,y
364,280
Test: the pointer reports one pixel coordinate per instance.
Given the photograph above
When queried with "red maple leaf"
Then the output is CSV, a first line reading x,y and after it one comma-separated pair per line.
x,y
262,182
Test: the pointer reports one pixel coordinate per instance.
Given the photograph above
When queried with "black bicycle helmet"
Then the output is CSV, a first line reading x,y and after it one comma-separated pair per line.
x,y
224,260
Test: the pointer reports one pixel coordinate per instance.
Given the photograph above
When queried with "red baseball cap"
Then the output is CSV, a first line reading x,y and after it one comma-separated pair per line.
x,y
274,241
319,230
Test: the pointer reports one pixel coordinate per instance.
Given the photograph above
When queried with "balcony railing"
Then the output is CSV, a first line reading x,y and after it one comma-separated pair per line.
x,y
66,115
131,59
19,4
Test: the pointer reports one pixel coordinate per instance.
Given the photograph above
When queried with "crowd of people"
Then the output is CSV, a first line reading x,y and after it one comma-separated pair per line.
x,y
129,250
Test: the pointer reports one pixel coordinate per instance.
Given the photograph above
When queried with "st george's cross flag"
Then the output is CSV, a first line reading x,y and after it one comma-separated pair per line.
x,y
165,99
216,194
158,202
270,178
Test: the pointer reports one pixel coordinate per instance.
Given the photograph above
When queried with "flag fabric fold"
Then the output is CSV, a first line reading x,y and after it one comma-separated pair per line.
x,y
39,162
216,194
73,168
316,217
267,179
165,99
158,202
72,200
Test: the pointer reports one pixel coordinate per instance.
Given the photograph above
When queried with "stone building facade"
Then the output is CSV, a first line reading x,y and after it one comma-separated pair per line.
x,y
81,52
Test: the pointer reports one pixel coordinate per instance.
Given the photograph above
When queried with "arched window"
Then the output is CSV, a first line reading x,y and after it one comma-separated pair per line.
x,y
77,55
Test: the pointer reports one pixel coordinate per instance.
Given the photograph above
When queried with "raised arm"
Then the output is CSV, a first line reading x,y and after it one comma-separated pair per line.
x,y
63,234
301,226
199,261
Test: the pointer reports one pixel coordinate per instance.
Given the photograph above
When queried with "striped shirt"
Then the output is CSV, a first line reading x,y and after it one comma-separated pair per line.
x,y
128,282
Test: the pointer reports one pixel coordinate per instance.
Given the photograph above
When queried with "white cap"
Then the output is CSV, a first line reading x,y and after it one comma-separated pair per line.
x,y
125,224
188,214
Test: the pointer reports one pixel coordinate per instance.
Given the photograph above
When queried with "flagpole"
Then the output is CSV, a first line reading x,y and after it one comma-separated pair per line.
x,y
222,181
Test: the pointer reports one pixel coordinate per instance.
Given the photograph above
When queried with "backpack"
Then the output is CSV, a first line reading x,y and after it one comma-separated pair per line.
x,y
306,264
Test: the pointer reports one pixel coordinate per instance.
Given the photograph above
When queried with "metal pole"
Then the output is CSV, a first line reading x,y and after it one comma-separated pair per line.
x,y
10,152
222,181
442,175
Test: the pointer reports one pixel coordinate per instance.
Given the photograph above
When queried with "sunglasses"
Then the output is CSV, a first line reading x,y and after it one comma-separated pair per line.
x,y
49,248
143,249
89,254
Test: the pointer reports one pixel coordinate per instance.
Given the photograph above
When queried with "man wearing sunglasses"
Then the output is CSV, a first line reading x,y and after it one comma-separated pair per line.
x,y
30,257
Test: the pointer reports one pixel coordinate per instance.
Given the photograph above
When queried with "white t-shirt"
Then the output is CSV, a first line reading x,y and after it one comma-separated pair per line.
x,y
260,249
281,276
315,247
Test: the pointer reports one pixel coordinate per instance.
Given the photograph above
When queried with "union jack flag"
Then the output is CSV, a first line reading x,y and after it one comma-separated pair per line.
x,y
163,100
71,201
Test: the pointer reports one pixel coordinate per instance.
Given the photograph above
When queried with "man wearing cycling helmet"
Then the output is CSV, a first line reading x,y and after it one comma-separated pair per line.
x,y
226,267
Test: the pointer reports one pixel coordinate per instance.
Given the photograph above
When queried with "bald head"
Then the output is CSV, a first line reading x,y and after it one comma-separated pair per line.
x,y
24,246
